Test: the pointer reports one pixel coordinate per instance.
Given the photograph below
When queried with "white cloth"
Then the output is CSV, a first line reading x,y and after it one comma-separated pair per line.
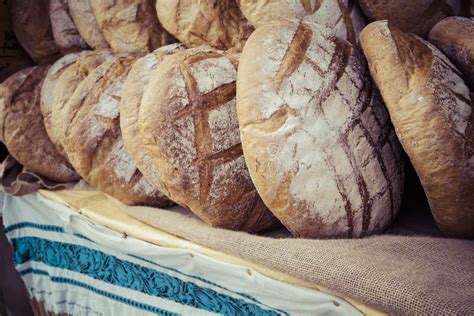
x,y
78,267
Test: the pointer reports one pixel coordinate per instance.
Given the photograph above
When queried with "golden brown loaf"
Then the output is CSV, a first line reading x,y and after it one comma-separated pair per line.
x,y
343,18
65,32
417,16
22,129
86,23
432,112
32,28
130,26
219,24
64,88
189,126
132,94
93,140
317,140
47,93
454,36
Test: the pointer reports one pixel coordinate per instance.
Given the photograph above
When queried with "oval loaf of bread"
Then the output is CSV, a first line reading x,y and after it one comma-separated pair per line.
x,y
219,24
64,88
454,36
86,23
130,103
47,93
22,128
130,26
189,126
94,142
65,32
342,18
417,16
32,28
432,112
317,140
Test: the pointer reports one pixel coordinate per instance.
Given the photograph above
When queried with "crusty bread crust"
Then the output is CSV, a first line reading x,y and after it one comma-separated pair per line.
x,y
32,29
219,24
189,125
22,128
342,18
317,140
65,32
93,139
132,94
130,26
454,36
86,23
431,109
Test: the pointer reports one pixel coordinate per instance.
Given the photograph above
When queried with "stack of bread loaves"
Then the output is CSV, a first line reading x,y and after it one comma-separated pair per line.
x,y
266,113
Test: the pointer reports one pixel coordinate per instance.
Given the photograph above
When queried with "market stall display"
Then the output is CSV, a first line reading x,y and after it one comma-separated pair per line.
x,y
289,145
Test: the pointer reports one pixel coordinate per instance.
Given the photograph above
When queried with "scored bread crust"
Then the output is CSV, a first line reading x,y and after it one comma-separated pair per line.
x,y
86,23
189,126
432,112
317,140
47,93
130,26
413,16
32,28
132,94
64,88
454,36
94,142
219,24
65,32
342,18
22,129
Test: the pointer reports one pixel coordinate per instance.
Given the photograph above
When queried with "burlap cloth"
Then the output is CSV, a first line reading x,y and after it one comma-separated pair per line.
x,y
409,270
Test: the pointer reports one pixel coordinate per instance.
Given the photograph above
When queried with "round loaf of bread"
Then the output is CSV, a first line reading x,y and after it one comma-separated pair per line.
x,y
317,140
65,32
47,93
454,36
132,94
86,23
130,26
432,112
219,24
22,129
413,16
32,28
342,18
64,87
94,142
189,126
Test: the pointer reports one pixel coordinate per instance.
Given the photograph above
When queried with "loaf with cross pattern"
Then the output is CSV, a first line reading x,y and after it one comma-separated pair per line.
x,y
188,122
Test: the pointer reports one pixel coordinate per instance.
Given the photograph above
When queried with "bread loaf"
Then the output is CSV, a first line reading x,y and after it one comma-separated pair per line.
x,y
130,103
47,94
130,26
32,28
431,110
413,16
65,32
454,36
219,24
317,140
22,129
189,126
86,23
94,143
343,18
64,87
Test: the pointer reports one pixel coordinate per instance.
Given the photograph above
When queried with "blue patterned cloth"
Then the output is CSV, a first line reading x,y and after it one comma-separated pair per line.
x,y
78,267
